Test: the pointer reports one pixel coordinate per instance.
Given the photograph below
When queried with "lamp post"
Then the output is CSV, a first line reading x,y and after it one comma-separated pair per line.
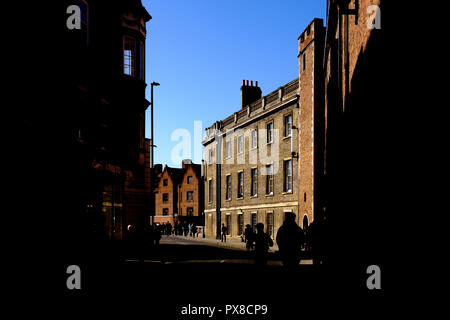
x,y
153,84
179,204
203,228
152,145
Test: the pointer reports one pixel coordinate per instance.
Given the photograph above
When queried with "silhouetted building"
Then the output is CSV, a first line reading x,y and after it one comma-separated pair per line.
x,y
100,126
355,72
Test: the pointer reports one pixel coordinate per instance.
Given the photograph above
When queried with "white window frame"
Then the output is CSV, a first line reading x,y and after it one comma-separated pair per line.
x,y
269,133
254,139
240,144
228,149
285,125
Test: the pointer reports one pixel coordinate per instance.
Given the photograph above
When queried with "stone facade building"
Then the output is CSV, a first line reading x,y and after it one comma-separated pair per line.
x,y
251,167
180,195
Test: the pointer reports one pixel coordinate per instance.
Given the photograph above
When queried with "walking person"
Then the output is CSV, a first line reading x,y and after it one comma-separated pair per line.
x,y
249,237
194,230
157,234
168,228
290,238
186,229
262,243
224,233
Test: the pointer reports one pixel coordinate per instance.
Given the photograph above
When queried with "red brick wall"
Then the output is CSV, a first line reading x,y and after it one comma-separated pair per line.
x,y
194,187
171,203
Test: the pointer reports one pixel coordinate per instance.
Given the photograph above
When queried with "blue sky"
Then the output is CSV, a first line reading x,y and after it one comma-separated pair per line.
x,y
201,50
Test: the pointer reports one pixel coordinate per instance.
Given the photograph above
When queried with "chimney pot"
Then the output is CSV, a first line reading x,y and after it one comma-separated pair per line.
x,y
243,82
256,83
251,83
247,82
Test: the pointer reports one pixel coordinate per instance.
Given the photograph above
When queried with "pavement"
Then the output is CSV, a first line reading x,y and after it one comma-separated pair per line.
x,y
231,243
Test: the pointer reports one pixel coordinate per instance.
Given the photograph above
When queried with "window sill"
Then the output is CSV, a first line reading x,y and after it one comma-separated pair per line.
x,y
287,137
240,198
288,192
269,195
254,196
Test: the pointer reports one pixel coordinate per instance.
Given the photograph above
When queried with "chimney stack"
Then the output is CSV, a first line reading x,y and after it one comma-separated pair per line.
x,y
249,94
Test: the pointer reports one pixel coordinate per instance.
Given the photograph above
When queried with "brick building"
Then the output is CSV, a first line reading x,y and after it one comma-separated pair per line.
x,y
356,84
179,195
310,44
166,195
251,168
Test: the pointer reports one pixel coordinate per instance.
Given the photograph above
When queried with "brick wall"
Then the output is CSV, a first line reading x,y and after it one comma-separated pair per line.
x,y
311,113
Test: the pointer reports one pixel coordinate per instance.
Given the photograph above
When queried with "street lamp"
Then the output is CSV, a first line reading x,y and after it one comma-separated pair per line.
x,y
152,145
179,207
153,84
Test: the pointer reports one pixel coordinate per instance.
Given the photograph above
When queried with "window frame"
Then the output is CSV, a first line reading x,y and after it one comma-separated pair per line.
x,y
289,115
287,179
210,191
132,64
228,150
270,224
240,144
269,132
254,182
210,156
254,142
269,180
228,184
240,188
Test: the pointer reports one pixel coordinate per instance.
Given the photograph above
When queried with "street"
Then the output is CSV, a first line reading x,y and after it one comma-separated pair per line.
x,y
184,271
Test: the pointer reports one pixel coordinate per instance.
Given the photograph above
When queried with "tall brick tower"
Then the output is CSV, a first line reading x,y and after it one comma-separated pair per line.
x,y
311,120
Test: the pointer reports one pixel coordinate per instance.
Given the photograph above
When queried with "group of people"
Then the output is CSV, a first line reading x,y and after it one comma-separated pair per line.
x,y
185,229
290,238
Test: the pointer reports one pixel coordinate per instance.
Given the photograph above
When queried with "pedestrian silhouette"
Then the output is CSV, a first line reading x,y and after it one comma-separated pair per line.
x,y
290,238
262,243
168,228
224,233
157,235
186,228
249,237
193,230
